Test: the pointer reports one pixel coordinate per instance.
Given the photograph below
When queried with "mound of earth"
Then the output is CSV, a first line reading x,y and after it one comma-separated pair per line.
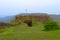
x,y
4,25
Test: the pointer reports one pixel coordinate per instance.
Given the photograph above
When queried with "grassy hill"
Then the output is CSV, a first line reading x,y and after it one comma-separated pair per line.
x,y
23,32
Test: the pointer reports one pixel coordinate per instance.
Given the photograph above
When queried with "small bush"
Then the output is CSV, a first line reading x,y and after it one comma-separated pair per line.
x,y
51,26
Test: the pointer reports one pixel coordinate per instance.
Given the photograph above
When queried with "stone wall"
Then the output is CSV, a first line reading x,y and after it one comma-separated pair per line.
x,y
40,18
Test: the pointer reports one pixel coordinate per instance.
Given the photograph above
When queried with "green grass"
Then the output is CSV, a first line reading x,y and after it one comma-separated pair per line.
x,y
22,32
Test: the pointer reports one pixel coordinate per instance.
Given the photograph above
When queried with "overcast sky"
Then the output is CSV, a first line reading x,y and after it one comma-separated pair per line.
x,y
12,7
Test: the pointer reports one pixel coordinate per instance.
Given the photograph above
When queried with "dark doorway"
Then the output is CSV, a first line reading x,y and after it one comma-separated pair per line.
x,y
28,22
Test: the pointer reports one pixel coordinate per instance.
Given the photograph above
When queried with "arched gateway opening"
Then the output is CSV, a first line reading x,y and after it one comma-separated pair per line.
x,y
28,22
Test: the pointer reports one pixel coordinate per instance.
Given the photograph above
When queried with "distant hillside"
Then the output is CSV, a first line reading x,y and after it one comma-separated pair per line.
x,y
7,19
55,18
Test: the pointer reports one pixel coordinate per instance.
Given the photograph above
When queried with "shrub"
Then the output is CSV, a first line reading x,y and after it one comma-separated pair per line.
x,y
51,26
